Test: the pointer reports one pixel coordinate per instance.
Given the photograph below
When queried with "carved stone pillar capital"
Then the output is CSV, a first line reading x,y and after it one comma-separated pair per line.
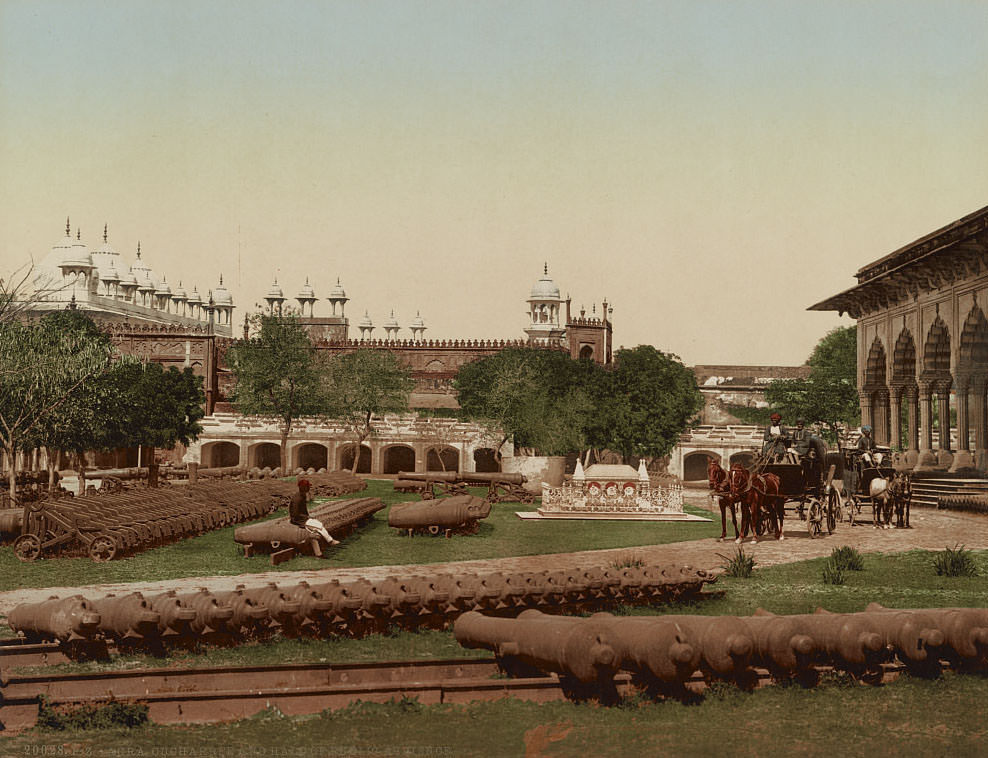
x,y
911,392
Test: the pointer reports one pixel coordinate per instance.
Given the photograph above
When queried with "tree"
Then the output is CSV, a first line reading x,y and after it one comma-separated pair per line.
x,y
364,384
46,367
541,398
829,395
279,375
145,404
654,399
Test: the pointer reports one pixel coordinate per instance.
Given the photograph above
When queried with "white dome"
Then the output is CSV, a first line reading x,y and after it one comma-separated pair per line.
x,y
194,298
146,285
306,293
163,288
221,295
545,288
128,279
417,322
75,253
275,291
179,295
141,270
391,323
366,320
109,273
338,292
105,256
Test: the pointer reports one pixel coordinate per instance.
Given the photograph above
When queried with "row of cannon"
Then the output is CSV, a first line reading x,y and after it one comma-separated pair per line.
x,y
666,651
501,486
352,608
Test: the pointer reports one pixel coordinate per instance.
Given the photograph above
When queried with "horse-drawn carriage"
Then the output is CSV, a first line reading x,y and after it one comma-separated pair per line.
x,y
870,479
769,486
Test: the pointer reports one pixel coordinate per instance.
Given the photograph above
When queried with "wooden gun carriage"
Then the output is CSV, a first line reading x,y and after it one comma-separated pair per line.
x,y
501,487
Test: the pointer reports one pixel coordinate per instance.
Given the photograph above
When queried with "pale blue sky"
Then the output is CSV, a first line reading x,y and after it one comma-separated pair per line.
x,y
681,159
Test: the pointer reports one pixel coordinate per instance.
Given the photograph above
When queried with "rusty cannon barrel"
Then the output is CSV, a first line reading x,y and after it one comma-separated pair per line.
x,y
541,641
212,615
274,535
175,617
726,644
66,620
781,645
10,522
915,636
435,516
128,618
250,619
845,640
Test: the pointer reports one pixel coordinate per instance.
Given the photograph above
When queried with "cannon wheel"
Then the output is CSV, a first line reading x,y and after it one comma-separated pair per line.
x,y
103,549
434,529
833,510
27,547
814,519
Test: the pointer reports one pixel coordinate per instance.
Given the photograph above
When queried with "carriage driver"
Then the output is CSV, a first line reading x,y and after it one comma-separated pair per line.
x,y
799,441
298,513
776,439
866,444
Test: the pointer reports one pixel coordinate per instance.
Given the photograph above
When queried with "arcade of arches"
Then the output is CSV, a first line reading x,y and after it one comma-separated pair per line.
x,y
923,347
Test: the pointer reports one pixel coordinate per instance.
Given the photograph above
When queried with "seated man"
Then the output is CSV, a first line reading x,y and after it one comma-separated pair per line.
x,y
866,444
776,439
298,513
799,441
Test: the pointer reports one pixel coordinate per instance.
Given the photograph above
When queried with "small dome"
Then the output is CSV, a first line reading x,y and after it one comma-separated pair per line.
x,y
221,295
391,323
275,291
146,285
366,321
194,298
128,279
417,322
545,288
180,295
338,292
306,293
76,254
110,274
141,270
163,288
104,255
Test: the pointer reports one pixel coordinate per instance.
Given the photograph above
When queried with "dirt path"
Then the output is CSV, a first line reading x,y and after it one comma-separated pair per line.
x,y
932,530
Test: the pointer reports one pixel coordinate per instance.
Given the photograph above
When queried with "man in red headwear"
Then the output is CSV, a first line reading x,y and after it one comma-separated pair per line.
x,y
776,439
298,513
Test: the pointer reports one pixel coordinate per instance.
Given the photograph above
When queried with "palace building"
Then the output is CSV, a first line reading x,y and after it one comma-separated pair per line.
x,y
923,346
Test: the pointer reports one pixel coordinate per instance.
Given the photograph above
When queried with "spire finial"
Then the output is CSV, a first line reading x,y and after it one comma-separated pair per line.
x,y
138,249
545,268
306,280
221,280
78,233
104,233
68,228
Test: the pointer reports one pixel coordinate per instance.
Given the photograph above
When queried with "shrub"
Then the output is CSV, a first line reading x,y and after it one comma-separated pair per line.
x,y
956,562
833,572
108,716
740,565
847,558
628,561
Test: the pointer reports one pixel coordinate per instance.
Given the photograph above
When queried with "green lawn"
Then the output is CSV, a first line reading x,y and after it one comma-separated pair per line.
x,y
216,554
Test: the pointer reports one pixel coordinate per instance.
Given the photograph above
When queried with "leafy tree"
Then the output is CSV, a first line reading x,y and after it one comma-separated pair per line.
x,y
829,396
147,405
46,367
654,399
279,375
364,384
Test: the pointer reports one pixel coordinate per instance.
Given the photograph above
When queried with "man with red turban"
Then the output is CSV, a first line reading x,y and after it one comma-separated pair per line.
x,y
776,440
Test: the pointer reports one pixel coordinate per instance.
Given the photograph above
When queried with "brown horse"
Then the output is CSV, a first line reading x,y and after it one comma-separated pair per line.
x,y
717,479
756,492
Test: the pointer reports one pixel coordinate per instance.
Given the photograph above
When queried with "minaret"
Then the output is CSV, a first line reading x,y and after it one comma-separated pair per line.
x,y
544,311
306,295
275,297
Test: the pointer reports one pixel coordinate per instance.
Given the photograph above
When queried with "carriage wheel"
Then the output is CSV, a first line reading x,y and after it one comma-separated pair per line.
x,y
102,549
814,519
27,547
833,510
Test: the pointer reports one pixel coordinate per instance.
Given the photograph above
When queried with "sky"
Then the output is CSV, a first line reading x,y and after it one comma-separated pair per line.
x,y
710,168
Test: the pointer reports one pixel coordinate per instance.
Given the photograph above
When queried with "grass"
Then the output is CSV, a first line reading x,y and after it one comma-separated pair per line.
x,y
216,554
827,720
739,565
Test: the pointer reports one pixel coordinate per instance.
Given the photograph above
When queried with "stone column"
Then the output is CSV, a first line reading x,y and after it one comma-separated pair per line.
x,y
912,421
943,408
963,459
880,412
866,412
977,411
927,458
896,406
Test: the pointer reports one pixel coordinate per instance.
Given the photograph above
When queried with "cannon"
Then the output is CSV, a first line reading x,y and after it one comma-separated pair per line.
x,y
66,620
501,487
452,514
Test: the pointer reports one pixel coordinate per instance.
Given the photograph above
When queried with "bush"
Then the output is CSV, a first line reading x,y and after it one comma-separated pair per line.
x,y
109,716
847,558
739,566
956,562
628,561
833,572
